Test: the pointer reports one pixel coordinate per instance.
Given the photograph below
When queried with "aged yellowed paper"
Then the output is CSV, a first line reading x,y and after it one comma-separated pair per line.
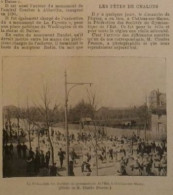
x,y
86,97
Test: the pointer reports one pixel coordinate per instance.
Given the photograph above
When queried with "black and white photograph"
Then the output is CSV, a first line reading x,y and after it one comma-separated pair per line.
x,y
84,116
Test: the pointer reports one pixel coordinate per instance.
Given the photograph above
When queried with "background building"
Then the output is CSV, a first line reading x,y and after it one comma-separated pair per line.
x,y
157,106
157,100
128,117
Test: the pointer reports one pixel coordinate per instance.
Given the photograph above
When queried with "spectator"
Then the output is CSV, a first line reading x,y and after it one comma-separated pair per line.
x,y
24,149
61,157
19,150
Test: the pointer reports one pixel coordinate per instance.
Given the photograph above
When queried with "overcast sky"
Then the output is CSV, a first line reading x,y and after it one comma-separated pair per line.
x,y
117,81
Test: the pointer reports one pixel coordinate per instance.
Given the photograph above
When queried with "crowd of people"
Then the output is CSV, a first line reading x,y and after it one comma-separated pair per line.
x,y
146,158
131,155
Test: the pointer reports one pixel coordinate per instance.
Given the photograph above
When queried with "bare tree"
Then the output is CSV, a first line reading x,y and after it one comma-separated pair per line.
x,y
18,117
48,115
8,115
31,122
92,98
28,122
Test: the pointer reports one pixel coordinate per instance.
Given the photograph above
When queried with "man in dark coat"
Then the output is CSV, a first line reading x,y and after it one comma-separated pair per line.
x,y
53,170
71,172
37,162
47,158
19,149
11,150
61,157
42,159
24,149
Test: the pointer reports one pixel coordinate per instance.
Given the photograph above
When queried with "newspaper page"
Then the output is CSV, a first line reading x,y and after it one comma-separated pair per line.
x,y
86,97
